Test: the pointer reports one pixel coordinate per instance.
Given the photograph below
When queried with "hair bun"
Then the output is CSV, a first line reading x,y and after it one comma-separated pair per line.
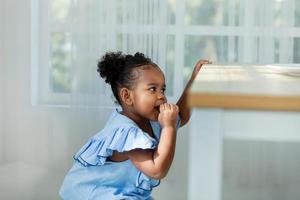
x,y
110,66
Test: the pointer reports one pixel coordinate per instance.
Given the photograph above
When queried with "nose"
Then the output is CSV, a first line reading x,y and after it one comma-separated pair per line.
x,y
161,96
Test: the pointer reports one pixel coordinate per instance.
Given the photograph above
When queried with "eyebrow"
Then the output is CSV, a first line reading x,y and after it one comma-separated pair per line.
x,y
155,84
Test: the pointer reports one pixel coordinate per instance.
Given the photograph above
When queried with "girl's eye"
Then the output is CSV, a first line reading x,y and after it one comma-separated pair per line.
x,y
153,89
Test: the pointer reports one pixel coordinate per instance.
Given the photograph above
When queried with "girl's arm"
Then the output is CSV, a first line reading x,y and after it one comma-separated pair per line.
x,y
184,110
156,163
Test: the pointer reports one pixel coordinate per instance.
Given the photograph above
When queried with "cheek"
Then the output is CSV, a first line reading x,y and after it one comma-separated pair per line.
x,y
145,102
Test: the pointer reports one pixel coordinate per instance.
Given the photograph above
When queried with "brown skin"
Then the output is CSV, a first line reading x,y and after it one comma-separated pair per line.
x,y
141,104
185,112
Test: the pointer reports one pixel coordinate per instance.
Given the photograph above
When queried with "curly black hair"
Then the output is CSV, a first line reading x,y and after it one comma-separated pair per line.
x,y
117,69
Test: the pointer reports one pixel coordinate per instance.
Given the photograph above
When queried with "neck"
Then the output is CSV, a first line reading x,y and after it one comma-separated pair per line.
x,y
139,120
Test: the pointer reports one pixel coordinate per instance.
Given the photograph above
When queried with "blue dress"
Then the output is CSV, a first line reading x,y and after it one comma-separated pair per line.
x,y
94,177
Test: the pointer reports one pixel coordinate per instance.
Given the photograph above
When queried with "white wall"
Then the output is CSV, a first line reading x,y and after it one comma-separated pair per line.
x,y
1,83
39,141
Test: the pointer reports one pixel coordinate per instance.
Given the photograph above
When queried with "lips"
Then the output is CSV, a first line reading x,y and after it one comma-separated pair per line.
x,y
156,108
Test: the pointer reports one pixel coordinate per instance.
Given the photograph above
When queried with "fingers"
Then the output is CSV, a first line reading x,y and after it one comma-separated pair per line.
x,y
199,65
202,62
168,106
162,107
176,108
205,61
168,113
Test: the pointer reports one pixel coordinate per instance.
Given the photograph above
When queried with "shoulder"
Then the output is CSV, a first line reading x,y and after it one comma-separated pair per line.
x,y
120,137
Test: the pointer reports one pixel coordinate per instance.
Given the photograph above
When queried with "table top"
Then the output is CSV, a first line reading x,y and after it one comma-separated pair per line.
x,y
271,87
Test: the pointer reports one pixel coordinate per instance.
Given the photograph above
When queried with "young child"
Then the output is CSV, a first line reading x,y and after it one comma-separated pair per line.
x,y
135,149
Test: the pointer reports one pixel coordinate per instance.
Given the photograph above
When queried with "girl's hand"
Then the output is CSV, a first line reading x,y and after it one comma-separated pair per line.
x,y
198,67
185,112
168,115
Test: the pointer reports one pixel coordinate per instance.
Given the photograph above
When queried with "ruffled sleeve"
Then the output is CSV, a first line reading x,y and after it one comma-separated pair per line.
x,y
121,139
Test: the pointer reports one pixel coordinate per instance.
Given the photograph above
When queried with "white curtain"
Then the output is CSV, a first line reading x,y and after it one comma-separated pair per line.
x,y
74,35
52,99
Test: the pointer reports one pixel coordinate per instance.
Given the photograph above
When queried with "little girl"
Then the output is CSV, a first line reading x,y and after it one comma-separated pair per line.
x,y
135,149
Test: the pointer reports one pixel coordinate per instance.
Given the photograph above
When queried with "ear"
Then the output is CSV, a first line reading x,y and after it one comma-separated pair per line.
x,y
125,95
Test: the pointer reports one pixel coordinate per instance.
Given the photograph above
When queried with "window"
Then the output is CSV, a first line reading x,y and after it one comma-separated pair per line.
x,y
71,35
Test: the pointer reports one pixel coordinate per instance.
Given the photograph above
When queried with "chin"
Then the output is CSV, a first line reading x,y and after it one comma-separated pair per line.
x,y
155,117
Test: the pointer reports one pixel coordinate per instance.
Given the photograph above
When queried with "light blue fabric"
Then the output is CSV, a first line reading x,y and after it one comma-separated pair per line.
x,y
94,177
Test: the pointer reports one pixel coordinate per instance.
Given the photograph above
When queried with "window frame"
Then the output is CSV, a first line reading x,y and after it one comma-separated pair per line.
x,y
247,34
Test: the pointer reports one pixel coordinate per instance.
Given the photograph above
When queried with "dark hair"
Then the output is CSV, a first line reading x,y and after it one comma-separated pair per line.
x,y
117,69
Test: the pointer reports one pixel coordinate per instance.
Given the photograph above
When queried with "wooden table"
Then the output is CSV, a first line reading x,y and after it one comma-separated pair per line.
x,y
260,102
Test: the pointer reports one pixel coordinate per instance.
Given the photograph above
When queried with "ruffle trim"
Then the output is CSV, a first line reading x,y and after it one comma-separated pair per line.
x,y
146,183
96,151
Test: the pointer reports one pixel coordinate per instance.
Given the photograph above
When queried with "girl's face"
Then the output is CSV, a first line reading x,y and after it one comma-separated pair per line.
x,y
149,92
